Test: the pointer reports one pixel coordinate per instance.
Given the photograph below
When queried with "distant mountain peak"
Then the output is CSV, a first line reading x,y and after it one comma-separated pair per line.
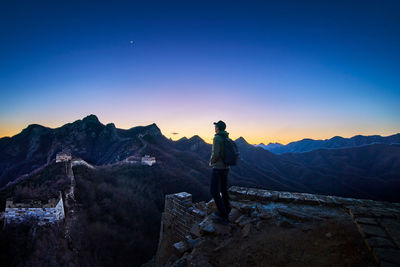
x,y
196,138
274,143
151,129
91,118
241,140
33,128
308,144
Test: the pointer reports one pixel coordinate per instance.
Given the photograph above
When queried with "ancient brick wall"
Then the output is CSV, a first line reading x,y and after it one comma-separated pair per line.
x,y
377,222
180,214
47,213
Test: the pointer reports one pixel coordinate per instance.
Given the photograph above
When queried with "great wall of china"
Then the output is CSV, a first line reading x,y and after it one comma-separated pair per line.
x,y
185,224
56,209
45,213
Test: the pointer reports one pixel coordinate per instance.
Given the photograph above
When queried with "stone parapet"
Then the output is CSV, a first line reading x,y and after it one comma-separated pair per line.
x,y
47,213
378,222
180,213
262,195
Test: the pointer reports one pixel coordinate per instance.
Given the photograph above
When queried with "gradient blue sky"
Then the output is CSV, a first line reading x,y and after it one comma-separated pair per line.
x,y
273,70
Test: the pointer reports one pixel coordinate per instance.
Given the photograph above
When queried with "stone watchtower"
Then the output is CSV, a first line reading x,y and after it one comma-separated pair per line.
x,y
63,156
45,213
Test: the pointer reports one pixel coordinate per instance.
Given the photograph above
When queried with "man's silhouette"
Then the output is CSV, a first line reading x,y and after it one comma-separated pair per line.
x,y
219,187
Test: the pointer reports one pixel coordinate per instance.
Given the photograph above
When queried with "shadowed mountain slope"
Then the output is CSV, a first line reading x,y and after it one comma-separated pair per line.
x,y
370,171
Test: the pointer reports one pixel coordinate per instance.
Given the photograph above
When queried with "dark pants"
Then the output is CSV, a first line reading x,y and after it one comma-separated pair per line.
x,y
219,191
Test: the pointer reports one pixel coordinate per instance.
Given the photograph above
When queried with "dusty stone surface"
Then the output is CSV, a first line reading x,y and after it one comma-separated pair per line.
x,y
362,220
370,230
388,255
379,242
392,227
270,228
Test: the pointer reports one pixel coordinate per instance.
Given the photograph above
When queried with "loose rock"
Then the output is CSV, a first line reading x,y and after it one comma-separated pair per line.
x,y
246,230
181,247
234,214
207,227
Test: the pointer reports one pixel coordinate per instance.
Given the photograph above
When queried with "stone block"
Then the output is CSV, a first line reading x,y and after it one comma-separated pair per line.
x,y
197,212
246,207
294,215
265,196
371,230
347,201
195,242
309,199
238,191
181,247
252,194
285,197
388,255
297,197
384,213
366,220
207,227
357,211
388,264
183,196
211,205
379,242
392,226
327,200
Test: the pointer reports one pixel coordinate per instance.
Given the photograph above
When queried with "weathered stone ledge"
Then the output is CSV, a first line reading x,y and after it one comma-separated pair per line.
x,y
187,224
265,196
378,222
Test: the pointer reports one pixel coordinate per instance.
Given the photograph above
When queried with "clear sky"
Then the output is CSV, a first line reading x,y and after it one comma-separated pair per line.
x,y
274,71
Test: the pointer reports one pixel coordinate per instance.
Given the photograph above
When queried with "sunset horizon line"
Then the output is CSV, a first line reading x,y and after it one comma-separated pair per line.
x,y
174,135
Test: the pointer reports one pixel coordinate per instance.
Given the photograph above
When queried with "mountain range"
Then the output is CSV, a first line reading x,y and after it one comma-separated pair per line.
x,y
307,144
366,171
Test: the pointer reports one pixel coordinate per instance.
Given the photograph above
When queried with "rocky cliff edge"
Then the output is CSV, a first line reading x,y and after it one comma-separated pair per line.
x,y
271,228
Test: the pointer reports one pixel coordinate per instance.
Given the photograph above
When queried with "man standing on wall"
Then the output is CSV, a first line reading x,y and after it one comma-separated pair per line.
x,y
219,187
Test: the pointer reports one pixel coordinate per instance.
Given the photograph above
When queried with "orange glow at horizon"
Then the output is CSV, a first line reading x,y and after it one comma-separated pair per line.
x,y
253,134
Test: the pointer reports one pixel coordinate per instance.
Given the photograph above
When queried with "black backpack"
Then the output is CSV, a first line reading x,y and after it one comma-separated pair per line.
x,y
231,152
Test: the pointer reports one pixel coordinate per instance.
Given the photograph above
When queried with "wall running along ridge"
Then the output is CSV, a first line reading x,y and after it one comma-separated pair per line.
x,y
47,213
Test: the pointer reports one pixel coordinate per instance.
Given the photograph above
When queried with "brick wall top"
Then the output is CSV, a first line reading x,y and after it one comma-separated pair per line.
x,y
183,196
262,195
34,204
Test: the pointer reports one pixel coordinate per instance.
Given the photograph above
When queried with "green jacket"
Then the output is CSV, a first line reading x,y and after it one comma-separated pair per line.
x,y
217,152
